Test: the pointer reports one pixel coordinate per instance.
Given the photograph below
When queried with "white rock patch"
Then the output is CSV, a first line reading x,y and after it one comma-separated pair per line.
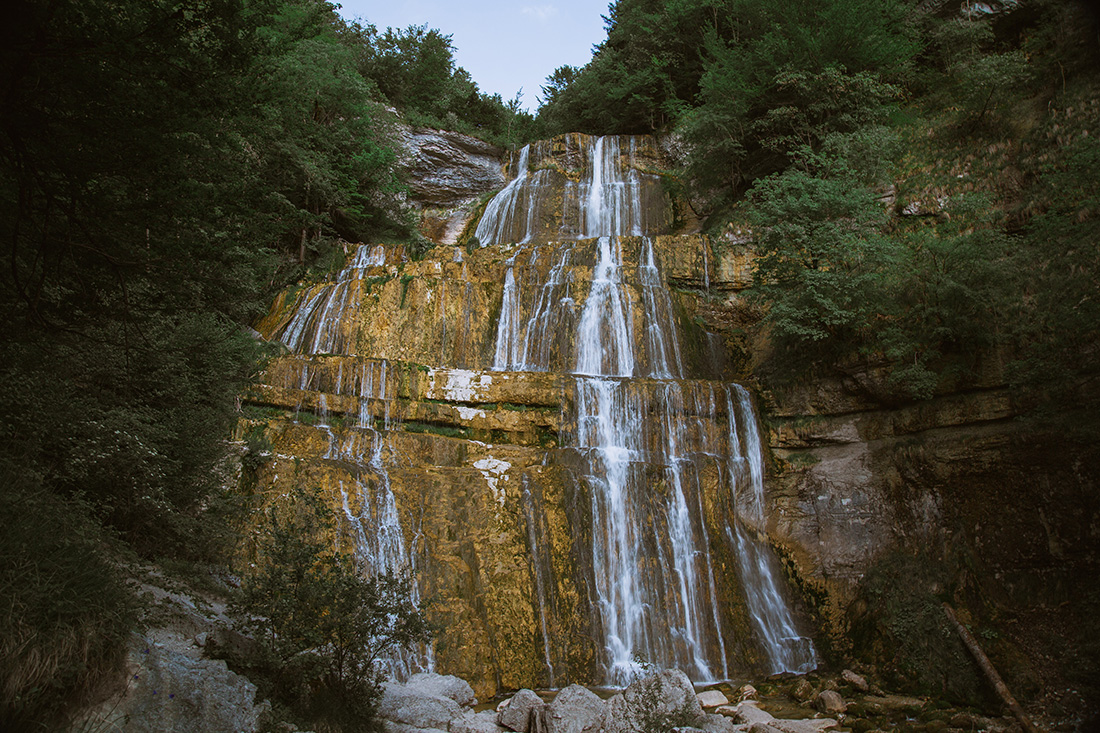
x,y
494,471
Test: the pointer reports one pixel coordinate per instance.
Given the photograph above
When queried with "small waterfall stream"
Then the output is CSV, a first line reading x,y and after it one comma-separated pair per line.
x,y
641,435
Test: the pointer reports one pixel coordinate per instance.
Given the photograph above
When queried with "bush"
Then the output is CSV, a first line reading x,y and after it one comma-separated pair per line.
x,y
322,625
65,610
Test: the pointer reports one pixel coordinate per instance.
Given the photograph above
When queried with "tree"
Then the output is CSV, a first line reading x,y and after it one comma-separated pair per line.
x,y
842,288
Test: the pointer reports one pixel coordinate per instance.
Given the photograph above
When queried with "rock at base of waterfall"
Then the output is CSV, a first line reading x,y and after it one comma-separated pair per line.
x,y
855,680
830,702
519,711
576,709
814,725
761,728
410,707
443,685
802,690
719,724
756,720
747,692
483,722
748,713
712,698
660,701
389,726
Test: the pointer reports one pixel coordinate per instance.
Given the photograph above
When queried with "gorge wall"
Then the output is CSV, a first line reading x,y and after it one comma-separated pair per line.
x,y
475,415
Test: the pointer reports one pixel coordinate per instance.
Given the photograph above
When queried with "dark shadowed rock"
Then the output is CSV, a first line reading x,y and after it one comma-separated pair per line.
x,y
830,702
855,680
171,691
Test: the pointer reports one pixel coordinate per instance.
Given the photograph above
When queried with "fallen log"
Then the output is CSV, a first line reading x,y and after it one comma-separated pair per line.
x,y
989,671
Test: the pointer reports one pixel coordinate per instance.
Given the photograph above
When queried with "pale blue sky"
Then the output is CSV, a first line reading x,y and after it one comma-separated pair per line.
x,y
504,44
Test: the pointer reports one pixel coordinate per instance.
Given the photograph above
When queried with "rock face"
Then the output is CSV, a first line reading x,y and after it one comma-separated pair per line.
x,y
403,400
421,404
447,174
449,168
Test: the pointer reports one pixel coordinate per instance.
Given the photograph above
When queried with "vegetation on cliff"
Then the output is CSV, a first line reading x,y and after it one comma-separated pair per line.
x,y
163,165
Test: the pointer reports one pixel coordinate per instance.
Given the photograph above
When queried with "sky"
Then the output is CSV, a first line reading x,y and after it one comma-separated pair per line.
x,y
506,45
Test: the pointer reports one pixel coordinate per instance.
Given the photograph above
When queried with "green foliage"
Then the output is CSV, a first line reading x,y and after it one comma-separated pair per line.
x,y
414,70
1059,328
65,611
323,626
841,287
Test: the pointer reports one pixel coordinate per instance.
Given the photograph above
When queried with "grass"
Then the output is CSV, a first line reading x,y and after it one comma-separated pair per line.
x,y
65,608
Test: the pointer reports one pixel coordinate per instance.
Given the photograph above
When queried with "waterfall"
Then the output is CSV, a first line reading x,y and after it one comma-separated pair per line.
x,y
317,326
642,436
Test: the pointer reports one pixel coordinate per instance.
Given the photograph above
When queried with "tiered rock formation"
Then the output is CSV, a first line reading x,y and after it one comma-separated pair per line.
x,y
443,407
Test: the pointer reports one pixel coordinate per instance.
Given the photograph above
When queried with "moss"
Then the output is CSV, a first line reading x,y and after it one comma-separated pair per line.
x,y
405,280
475,219
261,412
370,282
447,431
802,459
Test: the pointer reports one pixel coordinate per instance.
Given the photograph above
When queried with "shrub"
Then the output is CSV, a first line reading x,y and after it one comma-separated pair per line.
x,y
322,625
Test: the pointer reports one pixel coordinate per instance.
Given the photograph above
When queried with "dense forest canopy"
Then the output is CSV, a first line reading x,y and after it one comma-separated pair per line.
x,y
922,185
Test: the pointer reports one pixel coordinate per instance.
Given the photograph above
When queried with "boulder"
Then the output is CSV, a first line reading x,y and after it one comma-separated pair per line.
x,y
747,692
521,708
576,709
661,701
815,725
802,690
712,698
830,702
389,726
747,713
855,680
443,685
169,691
400,704
483,722
718,724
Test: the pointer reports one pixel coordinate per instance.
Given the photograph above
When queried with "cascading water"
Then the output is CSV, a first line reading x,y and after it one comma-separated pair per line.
x,y
641,436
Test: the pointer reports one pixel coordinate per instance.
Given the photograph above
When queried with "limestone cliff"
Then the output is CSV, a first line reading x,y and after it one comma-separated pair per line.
x,y
413,397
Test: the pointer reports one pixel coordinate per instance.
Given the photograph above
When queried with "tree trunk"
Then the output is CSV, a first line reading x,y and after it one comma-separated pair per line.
x,y
989,671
